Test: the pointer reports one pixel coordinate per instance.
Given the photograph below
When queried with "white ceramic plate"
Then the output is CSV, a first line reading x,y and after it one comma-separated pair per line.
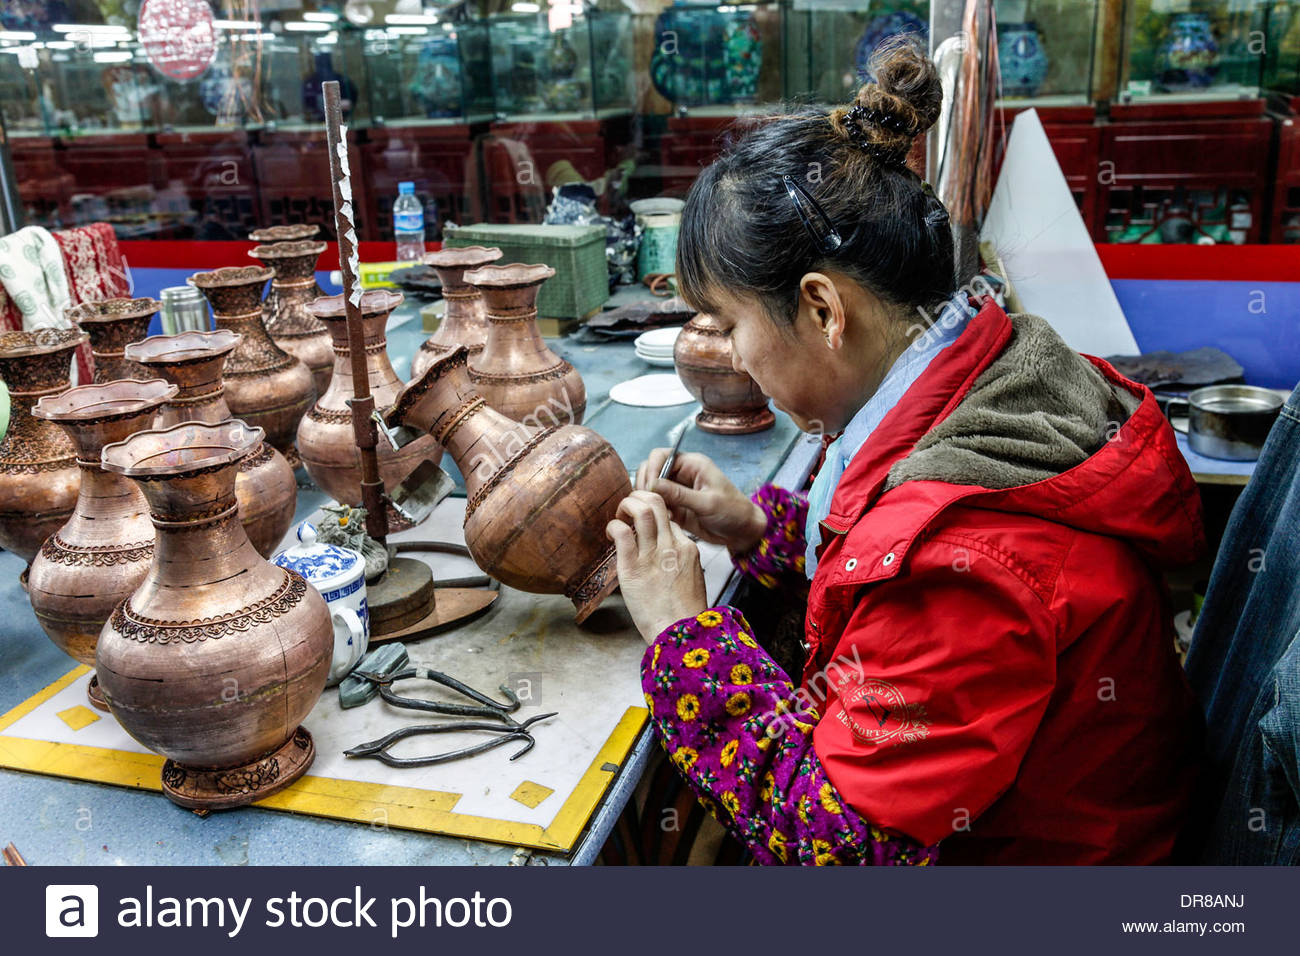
x,y
651,391
658,362
657,340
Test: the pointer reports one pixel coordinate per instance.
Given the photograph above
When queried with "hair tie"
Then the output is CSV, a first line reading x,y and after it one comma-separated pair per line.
x,y
854,123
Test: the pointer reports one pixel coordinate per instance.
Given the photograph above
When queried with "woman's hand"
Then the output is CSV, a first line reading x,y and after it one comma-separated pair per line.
x,y
659,568
703,500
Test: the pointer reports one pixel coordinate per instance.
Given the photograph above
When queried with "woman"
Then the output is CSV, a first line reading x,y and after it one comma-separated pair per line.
x,y
990,674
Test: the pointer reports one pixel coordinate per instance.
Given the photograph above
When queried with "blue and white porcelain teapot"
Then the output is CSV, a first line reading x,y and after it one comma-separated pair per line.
x,y
338,573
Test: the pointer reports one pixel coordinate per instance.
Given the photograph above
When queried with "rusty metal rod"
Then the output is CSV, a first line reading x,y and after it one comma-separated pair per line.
x,y
362,403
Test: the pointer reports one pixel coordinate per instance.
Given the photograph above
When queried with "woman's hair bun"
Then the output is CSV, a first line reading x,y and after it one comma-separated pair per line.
x,y
901,103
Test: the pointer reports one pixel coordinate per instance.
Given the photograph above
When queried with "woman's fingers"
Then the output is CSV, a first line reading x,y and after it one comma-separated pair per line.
x,y
638,510
623,537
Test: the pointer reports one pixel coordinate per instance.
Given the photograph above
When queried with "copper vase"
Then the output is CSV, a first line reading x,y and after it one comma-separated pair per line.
x,y
733,402
284,311
291,233
264,486
38,467
265,385
464,321
325,437
539,498
111,324
102,552
516,373
219,655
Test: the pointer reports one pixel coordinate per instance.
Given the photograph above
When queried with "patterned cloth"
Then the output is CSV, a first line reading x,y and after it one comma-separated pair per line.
x,y
31,268
728,720
779,559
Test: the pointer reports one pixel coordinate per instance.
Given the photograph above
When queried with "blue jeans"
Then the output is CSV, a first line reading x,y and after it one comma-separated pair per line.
x,y
1244,665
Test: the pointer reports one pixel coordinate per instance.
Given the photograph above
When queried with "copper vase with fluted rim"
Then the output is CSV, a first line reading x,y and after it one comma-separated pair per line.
x,y
265,385
284,310
292,232
265,486
516,372
101,553
733,402
218,656
39,477
326,440
464,322
111,324
539,497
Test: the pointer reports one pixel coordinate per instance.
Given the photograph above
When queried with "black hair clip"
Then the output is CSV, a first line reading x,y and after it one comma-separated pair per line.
x,y
938,214
855,121
813,216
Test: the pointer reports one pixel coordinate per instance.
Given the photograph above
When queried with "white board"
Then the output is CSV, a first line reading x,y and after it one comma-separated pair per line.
x,y
1049,256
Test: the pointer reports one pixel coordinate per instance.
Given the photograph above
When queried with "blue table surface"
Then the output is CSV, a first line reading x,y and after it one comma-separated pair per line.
x,y
55,821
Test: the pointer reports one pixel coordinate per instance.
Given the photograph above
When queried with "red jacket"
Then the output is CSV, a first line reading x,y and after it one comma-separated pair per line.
x,y
1013,689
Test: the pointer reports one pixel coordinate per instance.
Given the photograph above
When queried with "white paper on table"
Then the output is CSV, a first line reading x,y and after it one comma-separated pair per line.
x,y
1049,256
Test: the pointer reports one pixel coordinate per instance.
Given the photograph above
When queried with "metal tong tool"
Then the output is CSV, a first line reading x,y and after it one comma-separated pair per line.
x,y
488,708
378,749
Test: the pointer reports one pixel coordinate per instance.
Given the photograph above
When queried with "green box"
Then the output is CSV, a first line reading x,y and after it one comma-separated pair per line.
x,y
580,285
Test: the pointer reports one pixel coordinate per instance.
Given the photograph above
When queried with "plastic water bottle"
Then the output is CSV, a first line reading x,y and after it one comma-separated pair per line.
x,y
408,224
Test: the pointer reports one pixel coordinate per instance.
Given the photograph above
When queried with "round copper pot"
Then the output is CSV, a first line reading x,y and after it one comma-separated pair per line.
x,y
325,437
265,385
38,467
733,402
102,552
464,322
518,375
218,656
111,324
193,361
539,498
284,311
293,233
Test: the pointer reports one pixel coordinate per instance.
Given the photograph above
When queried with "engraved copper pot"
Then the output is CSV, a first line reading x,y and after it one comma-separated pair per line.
x,y
38,467
325,437
284,312
103,551
265,385
264,486
293,233
539,498
464,322
516,373
219,655
733,402
111,324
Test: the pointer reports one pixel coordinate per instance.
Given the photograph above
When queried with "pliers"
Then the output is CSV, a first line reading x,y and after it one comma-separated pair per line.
x,y
504,733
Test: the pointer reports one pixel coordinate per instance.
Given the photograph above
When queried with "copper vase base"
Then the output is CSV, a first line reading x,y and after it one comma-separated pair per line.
x,y
451,608
599,584
202,789
735,423
96,694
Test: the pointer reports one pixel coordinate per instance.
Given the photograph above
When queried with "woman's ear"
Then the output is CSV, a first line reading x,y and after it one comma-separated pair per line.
x,y
821,305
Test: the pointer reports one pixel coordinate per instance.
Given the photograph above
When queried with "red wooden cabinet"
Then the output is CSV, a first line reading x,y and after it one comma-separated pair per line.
x,y
293,179
1168,164
434,157
210,186
44,187
1285,224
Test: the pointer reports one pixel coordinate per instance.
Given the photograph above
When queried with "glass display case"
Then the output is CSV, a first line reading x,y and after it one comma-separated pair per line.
x,y
710,55
1194,49
829,43
1282,58
441,72
574,65
1046,51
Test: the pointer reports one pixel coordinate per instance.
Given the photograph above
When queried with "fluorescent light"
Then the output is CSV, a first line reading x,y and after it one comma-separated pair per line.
x,y
114,56
16,35
327,39
525,8
321,17
89,28
298,26
251,37
413,31
411,19
60,44
237,24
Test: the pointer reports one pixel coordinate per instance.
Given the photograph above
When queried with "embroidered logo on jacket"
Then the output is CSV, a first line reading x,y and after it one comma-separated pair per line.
x,y
880,714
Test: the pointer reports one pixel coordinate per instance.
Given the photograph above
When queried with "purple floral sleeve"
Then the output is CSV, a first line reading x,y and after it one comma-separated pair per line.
x,y
779,557
725,712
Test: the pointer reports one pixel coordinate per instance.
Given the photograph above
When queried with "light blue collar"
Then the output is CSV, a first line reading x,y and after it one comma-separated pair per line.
x,y
907,368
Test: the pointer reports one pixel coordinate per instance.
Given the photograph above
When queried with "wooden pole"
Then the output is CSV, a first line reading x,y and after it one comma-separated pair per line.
x,y
362,403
